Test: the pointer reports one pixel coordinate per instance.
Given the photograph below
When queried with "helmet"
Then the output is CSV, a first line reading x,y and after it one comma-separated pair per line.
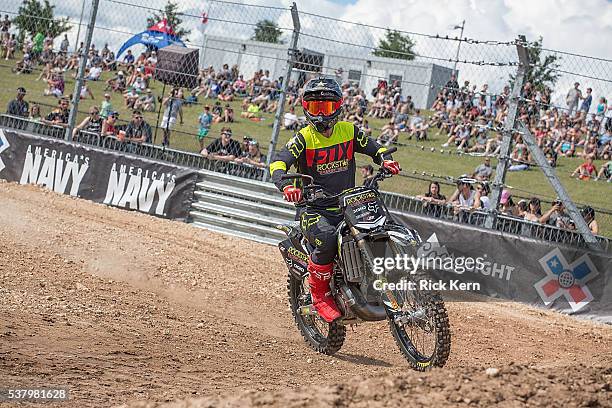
x,y
322,103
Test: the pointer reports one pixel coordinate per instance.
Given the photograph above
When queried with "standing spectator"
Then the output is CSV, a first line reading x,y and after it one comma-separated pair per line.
x,y
484,171
253,155
588,213
586,103
367,172
452,83
464,195
35,113
507,204
11,46
557,216
5,25
481,200
205,121
223,148
92,123
572,97
534,211
18,106
59,116
138,131
107,107
433,194
173,107
65,44
109,124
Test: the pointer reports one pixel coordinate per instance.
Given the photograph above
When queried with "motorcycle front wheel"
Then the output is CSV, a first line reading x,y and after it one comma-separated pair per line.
x,y
323,337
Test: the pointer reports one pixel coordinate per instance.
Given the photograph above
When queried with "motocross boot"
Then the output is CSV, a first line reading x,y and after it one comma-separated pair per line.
x,y
318,279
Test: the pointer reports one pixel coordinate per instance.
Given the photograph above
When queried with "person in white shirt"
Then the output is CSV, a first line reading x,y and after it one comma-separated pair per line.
x,y
94,73
290,121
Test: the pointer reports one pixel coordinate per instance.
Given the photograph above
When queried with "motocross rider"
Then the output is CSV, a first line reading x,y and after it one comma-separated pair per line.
x,y
324,150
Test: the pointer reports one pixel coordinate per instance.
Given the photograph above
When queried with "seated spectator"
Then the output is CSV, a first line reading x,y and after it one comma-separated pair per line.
x,y
223,148
418,127
86,91
145,102
128,60
24,65
217,112
109,125
605,172
252,112
557,216
290,120
484,171
586,170
228,114
92,123
588,213
253,155
116,84
59,116
94,73
130,97
534,211
205,121
55,85
18,106
138,131
192,98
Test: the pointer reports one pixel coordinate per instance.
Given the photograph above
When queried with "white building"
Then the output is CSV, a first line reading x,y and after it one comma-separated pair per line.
x,y
421,80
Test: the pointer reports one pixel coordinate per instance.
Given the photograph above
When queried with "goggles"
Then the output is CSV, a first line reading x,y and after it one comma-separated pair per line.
x,y
325,108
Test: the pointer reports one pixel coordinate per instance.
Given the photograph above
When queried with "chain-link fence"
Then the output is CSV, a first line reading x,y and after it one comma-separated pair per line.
x,y
442,98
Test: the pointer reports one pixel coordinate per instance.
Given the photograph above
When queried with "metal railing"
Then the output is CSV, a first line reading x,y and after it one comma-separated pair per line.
x,y
395,201
150,151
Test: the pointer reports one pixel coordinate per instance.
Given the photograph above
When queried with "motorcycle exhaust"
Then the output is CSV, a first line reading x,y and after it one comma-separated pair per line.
x,y
361,308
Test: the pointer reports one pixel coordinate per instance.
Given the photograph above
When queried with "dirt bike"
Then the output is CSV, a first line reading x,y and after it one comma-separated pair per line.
x,y
418,319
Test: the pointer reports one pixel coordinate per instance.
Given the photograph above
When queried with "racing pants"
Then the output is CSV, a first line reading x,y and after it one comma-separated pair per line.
x,y
319,228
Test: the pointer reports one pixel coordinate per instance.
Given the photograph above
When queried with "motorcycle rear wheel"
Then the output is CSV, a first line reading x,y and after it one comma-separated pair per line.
x,y
323,337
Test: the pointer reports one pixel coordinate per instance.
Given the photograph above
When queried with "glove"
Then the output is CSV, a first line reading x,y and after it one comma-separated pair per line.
x,y
292,194
391,166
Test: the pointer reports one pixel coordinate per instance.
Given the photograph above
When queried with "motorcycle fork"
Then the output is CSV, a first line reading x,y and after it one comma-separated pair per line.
x,y
364,249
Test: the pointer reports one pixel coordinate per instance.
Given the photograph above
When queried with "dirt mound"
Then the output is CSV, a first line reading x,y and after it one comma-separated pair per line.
x,y
121,307
577,386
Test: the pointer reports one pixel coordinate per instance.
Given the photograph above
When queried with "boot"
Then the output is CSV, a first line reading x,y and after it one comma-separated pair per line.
x,y
318,279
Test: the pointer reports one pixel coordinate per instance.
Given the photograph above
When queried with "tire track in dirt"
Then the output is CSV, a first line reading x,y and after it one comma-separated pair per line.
x,y
162,310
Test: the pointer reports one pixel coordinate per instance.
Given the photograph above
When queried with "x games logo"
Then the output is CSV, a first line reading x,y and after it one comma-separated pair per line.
x,y
566,279
3,146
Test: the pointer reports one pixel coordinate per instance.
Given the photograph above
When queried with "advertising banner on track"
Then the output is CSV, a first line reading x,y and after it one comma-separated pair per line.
x,y
510,267
108,177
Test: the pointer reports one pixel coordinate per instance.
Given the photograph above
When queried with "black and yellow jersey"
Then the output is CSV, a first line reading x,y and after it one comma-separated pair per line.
x,y
329,160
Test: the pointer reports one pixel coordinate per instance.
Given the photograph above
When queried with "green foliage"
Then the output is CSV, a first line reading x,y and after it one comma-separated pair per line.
x,y
396,45
36,17
267,31
171,14
541,72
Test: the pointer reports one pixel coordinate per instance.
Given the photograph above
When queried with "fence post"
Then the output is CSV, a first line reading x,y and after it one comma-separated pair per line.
x,y
76,96
504,153
278,117
552,178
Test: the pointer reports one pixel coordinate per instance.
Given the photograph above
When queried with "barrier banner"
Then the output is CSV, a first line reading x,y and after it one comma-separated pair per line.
x,y
510,267
114,178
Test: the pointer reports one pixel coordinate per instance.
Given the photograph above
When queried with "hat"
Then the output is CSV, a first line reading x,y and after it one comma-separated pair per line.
x,y
120,73
254,142
21,90
505,196
113,113
107,95
148,90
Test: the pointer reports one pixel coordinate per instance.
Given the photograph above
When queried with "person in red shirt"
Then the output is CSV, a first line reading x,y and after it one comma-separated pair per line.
x,y
586,170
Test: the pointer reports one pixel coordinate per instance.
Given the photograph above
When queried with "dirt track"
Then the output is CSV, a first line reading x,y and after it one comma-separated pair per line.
x,y
122,307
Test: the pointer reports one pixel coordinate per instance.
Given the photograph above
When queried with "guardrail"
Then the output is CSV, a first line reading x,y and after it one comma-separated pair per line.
x,y
397,202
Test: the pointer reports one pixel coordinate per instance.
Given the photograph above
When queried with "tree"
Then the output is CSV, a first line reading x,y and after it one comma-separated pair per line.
x,y
35,17
396,45
171,14
541,72
267,31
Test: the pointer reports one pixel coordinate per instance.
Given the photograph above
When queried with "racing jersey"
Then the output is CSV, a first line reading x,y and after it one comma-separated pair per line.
x,y
329,160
